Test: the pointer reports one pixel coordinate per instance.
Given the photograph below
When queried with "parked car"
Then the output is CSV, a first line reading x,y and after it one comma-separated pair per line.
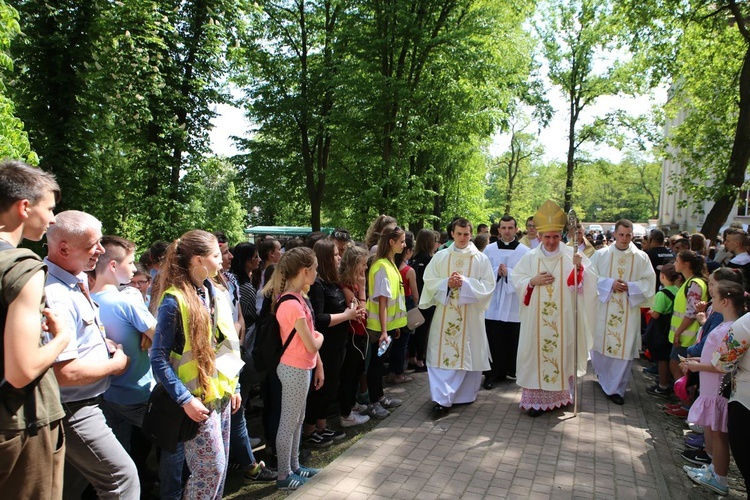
x,y
595,228
639,231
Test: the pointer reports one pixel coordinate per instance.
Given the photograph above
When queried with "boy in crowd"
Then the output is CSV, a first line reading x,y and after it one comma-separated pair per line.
x,y
128,323
31,412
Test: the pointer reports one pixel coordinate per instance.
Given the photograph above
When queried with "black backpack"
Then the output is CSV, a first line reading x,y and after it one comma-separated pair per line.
x,y
268,349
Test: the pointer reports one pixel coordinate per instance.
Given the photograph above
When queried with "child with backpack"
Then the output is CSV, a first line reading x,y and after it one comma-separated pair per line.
x,y
295,273
657,331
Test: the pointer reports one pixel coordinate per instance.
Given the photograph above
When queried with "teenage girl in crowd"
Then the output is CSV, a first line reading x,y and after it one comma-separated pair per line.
x,y
731,357
194,321
684,315
244,263
353,282
424,249
269,251
332,316
411,294
376,229
294,274
386,314
710,409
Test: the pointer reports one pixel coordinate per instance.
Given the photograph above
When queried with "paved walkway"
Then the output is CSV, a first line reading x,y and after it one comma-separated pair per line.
x,y
491,449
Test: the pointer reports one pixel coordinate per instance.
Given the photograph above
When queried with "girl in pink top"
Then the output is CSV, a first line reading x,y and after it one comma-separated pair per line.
x,y
294,274
710,409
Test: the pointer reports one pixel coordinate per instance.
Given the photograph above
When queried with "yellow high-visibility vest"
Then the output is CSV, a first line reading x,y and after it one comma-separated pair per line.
x,y
687,338
186,366
396,307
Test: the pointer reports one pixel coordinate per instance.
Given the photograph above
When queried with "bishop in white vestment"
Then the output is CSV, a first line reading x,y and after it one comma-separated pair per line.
x,y
547,282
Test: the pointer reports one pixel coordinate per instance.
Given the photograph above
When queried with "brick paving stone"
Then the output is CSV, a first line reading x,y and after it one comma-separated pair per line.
x,y
473,495
414,483
493,450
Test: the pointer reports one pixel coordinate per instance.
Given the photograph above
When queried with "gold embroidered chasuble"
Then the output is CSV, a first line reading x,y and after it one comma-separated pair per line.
x,y
618,325
458,339
547,339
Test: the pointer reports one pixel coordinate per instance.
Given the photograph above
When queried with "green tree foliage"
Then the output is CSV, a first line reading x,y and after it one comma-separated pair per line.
x,y
702,142
288,66
510,185
626,190
377,106
703,49
580,40
14,142
118,98
215,204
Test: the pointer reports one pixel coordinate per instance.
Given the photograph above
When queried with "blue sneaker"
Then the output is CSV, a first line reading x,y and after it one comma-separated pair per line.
x,y
699,471
709,481
291,483
306,472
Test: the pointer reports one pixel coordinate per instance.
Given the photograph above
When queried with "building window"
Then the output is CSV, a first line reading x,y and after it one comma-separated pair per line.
x,y
743,203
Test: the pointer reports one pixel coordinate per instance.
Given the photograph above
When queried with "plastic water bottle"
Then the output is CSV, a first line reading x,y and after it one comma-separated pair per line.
x,y
384,345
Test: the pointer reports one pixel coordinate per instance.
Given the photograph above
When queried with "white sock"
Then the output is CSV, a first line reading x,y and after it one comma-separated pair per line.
x,y
722,480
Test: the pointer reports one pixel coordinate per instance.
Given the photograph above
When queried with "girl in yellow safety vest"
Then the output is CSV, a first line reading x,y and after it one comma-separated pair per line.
x,y
196,356
693,291
386,314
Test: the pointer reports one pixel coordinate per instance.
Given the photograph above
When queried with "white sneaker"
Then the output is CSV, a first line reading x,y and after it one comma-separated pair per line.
x,y
358,408
353,419
698,429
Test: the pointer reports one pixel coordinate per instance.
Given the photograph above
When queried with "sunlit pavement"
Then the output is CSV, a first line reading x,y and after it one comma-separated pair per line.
x,y
491,449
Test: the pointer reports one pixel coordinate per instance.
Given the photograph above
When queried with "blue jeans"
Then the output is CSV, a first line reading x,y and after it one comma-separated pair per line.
x,y
271,395
122,419
171,467
240,449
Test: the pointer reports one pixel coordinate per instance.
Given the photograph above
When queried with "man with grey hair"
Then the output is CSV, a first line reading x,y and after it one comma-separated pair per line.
x,y
84,367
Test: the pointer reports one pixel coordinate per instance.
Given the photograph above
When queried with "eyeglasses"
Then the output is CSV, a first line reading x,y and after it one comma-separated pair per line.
x,y
342,235
140,282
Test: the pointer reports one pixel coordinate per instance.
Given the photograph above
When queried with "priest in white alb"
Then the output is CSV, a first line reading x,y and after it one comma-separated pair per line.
x,y
626,283
547,280
459,281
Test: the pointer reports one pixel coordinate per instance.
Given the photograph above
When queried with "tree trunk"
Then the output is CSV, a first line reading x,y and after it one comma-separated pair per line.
x,y
737,161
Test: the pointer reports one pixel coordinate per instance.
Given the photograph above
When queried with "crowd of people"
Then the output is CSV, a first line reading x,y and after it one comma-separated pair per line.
x,y
90,334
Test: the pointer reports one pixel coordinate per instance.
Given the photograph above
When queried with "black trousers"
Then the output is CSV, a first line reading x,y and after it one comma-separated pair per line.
x,y
503,339
354,364
318,400
739,439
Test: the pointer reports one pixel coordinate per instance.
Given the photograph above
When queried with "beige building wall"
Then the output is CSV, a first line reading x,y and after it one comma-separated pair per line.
x,y
690,218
